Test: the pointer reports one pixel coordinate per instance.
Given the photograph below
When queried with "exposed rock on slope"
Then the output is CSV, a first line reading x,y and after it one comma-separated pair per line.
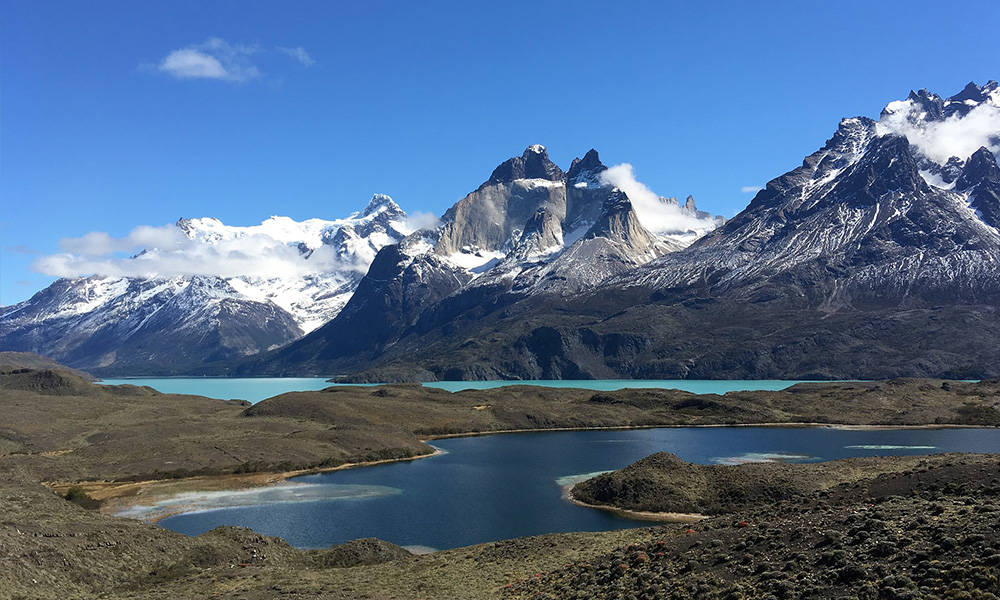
x,y
530,230
878,257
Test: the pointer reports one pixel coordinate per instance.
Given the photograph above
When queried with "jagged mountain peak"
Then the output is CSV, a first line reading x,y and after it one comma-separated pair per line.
x,y
383,203
981,167
586,170
925,106
933,107
534,163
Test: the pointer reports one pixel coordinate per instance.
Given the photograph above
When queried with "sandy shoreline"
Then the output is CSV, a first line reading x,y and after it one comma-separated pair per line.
x,y
121,497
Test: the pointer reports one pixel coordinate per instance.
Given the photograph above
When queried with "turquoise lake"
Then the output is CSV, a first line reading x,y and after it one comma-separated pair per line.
x,y
256,389
503,486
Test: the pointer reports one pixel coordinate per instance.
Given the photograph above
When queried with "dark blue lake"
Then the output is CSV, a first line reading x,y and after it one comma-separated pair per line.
x,y
504,486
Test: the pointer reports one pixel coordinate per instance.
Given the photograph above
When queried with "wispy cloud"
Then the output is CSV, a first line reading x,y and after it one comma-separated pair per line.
x,y
421,221
751,189
654,213
218,59
272,249
20,249
298,53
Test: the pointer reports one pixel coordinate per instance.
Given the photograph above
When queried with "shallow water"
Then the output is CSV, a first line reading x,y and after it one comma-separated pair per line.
x,y
503,486
253,389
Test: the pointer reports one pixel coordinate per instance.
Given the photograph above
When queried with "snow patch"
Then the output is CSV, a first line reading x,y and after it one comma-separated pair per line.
x,y
475,260
936,180
537,183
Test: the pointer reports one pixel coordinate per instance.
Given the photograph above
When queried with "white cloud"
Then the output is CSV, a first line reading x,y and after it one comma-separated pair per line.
x,y
218,59
298,53
190,63
420,221
654,214
214,59
955,136
167,252
751,189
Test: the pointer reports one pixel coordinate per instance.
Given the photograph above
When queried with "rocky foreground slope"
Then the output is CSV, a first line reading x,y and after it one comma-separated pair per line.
x,y
924,530
882,534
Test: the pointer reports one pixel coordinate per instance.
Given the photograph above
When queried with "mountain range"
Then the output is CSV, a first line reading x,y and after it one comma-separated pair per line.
x,y
139,325
878,257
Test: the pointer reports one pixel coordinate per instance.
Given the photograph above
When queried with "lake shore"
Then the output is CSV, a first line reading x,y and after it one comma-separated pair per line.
x,y
121,498
133,443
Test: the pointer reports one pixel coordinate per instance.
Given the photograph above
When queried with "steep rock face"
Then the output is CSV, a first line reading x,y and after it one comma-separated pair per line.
x,y
530,230
486,219
980,180
878,257
585,193
542,236
617,242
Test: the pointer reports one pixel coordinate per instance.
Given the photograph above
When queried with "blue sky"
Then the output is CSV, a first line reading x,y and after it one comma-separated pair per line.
x,y
311,107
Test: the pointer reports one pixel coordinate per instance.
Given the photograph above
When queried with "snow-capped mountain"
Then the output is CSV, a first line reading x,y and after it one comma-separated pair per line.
x,y
896,214
302,274
879,256
344,248
529,230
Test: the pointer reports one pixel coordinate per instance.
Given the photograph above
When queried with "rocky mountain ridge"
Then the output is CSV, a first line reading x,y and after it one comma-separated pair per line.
x,y
864,262
530,230
523,218
878,257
